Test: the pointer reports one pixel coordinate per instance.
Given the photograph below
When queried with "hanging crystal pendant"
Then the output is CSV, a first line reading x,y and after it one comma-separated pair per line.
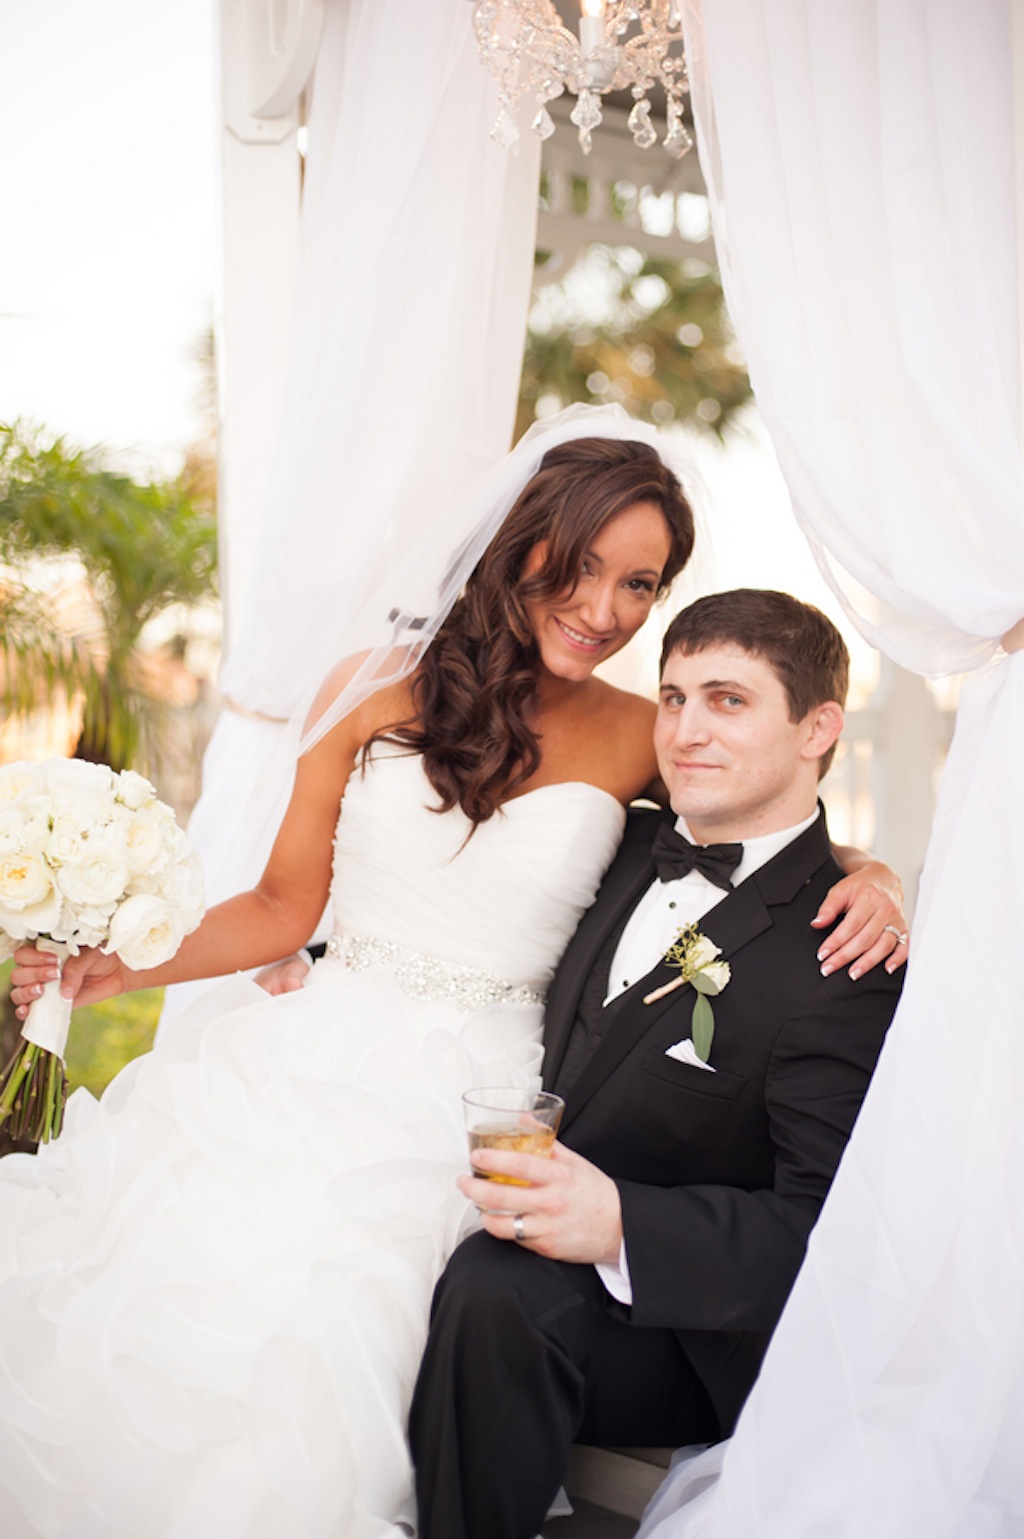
x,y
678,140
621,45
543,124
586,115
640,124
505,133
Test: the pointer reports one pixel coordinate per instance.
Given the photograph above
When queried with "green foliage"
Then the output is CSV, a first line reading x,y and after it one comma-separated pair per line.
x,y
103,1037
107,1036
35,655
664,347
143,546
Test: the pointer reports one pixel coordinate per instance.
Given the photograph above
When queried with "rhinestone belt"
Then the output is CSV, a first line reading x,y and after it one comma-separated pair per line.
x,y
426,977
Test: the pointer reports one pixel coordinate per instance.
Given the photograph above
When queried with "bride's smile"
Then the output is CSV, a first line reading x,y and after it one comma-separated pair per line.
x,y
617,584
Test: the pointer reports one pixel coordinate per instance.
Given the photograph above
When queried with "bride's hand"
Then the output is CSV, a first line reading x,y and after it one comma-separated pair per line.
x,y
86,979
874,928
284,977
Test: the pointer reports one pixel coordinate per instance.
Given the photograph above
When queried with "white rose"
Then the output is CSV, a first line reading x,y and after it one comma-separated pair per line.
x,y
43,918
146,848
80,809
144,931
65,845
23,827
719,974
12,821
134,790
17,779
7,945
183,887
79,775
99,877
702,952
25,879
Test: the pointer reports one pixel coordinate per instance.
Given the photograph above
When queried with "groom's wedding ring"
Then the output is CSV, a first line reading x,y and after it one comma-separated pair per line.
x,y
893,931
518,1228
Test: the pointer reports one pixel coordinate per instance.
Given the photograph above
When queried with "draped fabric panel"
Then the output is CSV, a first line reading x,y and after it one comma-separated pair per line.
x,y
861,164
416,259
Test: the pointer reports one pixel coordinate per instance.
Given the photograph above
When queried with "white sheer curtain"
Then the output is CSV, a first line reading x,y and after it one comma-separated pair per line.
x,y
416,258
867,208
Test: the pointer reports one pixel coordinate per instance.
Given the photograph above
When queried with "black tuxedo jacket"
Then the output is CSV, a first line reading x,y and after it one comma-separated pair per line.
x,y
722,1175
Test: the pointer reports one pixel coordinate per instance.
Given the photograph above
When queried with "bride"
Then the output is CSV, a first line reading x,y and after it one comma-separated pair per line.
x,y
214,1286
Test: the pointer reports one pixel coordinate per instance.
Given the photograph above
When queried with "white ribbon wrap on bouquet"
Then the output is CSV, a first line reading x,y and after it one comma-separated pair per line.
x,y
49,1018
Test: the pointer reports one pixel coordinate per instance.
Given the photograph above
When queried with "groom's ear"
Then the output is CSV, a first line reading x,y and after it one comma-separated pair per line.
x,y
824,723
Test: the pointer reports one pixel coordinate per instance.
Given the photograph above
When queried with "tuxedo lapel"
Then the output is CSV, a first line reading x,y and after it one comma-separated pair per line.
x,y
731,924
740,918
628,878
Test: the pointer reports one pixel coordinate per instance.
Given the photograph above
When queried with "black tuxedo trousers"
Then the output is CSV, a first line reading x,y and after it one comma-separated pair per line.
x,y
720,1175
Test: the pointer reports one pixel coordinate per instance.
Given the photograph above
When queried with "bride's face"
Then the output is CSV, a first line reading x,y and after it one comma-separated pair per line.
x,y
611,599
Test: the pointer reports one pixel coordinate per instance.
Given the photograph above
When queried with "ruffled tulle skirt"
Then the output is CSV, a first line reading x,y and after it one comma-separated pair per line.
x,y
214,1287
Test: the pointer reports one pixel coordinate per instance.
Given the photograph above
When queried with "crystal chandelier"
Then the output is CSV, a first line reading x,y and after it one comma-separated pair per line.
x,y
622,45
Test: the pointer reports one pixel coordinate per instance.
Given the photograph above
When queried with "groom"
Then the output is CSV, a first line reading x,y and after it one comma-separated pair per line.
x,y
626,1295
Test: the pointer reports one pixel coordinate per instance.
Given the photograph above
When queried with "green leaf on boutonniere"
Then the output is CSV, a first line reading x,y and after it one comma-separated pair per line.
x,y
704,983
703,1028
697,960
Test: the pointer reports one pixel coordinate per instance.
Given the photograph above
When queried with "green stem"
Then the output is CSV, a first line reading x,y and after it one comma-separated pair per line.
x,y
18,1069
62,1098
54,1074
38,1106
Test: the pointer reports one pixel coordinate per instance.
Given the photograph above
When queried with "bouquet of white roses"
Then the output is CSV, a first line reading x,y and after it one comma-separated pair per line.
x,y
88,857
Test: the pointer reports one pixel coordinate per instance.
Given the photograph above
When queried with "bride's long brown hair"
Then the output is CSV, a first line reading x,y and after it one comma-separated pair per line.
x,y
475,692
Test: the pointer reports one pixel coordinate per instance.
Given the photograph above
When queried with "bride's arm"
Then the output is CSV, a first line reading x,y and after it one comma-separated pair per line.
x,y
278,915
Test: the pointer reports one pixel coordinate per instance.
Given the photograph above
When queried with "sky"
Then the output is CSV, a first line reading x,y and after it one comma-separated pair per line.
x,y
108,257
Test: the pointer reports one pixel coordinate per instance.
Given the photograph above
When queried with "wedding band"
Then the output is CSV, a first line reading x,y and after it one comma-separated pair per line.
x,y
517,1228
893,931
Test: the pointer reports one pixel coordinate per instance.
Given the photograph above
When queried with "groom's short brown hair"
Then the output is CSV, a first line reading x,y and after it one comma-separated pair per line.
x,y
801,645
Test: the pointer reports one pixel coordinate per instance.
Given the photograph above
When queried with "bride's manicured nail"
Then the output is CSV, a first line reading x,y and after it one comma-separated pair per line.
x,y
826,970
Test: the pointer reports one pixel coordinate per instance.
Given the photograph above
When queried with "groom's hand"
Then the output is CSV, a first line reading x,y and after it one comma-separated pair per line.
x,y
569,1211
284,977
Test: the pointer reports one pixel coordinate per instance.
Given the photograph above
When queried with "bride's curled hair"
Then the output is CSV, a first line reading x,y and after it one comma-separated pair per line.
x,y
476,689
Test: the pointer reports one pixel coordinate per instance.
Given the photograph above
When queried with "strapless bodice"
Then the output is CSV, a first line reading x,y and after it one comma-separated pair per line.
x,y
503,898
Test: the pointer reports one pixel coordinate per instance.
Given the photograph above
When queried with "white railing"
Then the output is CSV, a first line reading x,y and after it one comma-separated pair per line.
x,y
880,792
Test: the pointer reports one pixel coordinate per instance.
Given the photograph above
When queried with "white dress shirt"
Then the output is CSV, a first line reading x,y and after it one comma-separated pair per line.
x,y
664,910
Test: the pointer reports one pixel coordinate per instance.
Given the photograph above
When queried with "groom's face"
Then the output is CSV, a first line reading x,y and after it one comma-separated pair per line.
x,y
734,762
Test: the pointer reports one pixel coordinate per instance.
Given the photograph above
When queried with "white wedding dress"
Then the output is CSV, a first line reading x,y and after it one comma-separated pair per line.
x,y
214,1286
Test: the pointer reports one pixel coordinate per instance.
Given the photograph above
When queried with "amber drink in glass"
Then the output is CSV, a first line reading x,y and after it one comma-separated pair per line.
x,y
520,1121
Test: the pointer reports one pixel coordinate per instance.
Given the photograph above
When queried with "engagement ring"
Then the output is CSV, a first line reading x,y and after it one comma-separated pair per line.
x,y
893,931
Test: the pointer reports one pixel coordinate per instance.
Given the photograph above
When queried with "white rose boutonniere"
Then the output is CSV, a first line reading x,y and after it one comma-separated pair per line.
x,y
696,958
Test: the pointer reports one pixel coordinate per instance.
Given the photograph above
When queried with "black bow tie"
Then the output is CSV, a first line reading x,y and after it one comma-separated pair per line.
x,y
675,856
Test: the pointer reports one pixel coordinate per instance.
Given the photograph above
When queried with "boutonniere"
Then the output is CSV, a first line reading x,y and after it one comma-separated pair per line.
x,y
694,955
